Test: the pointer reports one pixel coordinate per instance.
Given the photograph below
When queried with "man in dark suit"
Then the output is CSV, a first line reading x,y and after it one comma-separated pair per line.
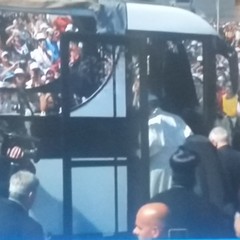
x,y
230,160
209,176
15,223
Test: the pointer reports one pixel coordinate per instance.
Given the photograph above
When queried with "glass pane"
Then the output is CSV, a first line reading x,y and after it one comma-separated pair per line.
x,y
30,67
49,200
30,64
98,81
122,199
93,200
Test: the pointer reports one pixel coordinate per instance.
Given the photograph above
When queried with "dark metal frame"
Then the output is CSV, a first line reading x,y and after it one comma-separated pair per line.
x,y
116,136
122,132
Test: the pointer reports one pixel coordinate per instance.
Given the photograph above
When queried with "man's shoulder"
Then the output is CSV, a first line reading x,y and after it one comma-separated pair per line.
x,y
170,122
160,114
11,209
14,216
5,202
180,198
32,228
229,152
33,223
11,216
186,207
172,194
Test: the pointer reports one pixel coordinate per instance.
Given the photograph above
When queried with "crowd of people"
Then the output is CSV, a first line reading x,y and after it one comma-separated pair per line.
x,y
203,199
30,57
228,100
204,181
194,188
31,38
227,97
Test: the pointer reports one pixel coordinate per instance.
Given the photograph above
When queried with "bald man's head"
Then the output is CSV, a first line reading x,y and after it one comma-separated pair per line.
x,y
150,220
219,137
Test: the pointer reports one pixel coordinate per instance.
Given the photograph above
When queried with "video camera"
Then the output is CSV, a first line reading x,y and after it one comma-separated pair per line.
x,y
28,144
9,165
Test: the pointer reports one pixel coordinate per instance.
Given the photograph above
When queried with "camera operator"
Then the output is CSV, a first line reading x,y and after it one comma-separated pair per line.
x,y
14,157
5,168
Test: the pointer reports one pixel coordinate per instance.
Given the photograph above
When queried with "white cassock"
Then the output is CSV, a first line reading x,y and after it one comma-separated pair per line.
x,y
167,132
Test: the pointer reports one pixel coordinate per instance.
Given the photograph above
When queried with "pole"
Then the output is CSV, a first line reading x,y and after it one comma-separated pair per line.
x,y
218,14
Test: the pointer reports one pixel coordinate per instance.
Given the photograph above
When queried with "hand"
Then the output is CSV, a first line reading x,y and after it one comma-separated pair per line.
x,y
15,22
15,32
15,152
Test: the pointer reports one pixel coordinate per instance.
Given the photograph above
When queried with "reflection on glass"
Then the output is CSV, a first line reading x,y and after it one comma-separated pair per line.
x,y
135,79
30,59
90,67
195,55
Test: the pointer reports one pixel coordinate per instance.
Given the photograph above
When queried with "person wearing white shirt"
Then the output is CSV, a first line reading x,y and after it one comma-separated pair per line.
x,y
41,55
167,132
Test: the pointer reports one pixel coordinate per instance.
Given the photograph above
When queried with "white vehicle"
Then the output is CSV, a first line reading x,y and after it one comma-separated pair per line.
x,y
92,117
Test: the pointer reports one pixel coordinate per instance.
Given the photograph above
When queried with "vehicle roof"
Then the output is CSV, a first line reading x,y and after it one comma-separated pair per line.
x,y
68,7
44,3
140,16
153,17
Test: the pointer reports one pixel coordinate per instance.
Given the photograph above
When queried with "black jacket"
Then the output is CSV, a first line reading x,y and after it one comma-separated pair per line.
x,y
199,217
210,183
230,160
15,224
